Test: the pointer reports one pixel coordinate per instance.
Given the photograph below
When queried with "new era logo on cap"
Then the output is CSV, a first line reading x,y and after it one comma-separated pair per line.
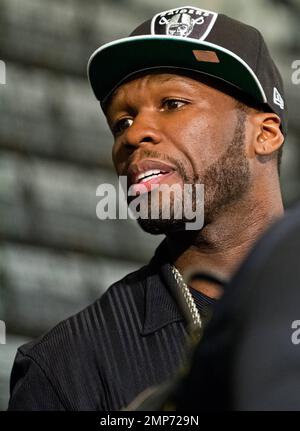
x,y
184,22
277,98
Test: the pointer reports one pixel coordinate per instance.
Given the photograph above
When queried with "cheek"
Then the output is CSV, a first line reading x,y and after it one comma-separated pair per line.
x,y
114,156
204,138
197,139
214,134
118,162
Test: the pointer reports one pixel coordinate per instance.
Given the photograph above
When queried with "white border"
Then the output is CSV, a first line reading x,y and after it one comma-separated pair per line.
x,y
176,38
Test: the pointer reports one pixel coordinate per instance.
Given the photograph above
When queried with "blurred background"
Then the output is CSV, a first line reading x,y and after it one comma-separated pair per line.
x,y
55,149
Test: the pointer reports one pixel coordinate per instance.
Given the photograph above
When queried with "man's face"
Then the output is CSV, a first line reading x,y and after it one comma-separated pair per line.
x,y
196,130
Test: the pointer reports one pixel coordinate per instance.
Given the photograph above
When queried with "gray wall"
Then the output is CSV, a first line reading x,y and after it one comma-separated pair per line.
x,y
55,255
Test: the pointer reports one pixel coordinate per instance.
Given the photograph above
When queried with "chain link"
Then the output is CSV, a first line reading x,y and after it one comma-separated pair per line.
x,y
188,297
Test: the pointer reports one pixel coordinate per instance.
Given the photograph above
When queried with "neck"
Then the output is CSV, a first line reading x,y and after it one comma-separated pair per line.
x,y
221,245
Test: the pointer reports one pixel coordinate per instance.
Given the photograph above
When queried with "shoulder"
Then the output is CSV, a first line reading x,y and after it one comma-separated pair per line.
x,y
77,328
70,360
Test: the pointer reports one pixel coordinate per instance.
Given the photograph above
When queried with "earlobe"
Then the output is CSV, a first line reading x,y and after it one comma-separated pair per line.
x,y
269,138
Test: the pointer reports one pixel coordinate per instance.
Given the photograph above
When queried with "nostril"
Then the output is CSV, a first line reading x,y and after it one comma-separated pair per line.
x,y
147,139
130,145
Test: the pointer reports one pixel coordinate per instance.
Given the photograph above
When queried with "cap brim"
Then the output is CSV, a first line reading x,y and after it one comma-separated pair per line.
x,y
116,61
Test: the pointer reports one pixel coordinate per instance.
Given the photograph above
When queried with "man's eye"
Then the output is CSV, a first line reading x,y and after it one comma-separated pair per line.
x,y
121,125
173,104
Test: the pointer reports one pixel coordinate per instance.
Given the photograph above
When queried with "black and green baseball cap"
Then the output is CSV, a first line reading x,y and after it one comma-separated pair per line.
x,y
192,39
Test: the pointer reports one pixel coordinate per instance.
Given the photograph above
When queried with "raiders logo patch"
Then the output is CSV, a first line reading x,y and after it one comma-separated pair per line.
x,y
184,22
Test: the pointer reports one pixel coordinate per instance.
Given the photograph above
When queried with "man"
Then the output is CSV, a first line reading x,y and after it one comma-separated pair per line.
x,y
205,107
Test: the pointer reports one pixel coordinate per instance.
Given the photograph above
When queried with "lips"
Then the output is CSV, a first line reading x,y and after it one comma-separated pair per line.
x,y
147,172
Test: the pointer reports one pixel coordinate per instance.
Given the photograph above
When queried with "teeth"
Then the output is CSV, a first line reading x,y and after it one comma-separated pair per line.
x,y
153,172
150,177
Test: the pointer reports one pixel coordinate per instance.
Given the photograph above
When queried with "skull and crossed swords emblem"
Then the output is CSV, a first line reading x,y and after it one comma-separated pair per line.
x,y
181,24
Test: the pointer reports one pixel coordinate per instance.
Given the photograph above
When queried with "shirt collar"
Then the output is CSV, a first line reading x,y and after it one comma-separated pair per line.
x,y
161,307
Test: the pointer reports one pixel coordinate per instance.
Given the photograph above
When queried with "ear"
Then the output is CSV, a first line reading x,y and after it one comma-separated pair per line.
x,y
269,137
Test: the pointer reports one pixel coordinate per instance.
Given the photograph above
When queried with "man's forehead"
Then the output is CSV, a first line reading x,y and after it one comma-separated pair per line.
x,y
157,77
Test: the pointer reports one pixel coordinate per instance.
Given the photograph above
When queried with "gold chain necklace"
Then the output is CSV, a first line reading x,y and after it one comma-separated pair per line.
x,y
196,318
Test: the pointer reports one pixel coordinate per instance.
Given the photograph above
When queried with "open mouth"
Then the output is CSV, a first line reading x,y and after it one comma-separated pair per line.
x,y
147,173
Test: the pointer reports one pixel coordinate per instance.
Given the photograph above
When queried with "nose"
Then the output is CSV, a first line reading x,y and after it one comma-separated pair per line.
x,y
145,128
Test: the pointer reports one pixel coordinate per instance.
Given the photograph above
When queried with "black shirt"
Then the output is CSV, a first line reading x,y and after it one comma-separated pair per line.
x,y
133,337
